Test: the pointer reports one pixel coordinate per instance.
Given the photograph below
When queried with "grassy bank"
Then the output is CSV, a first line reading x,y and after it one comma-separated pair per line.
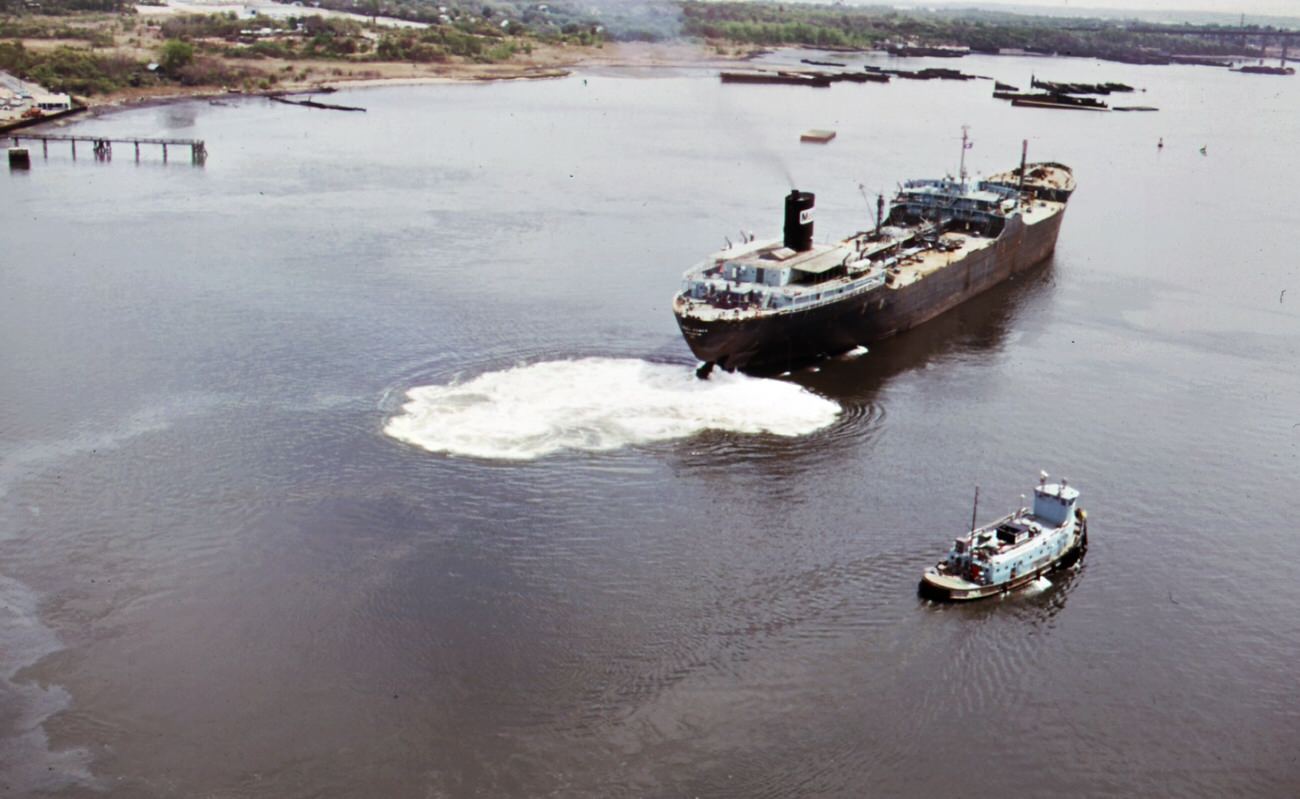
x,y
110,50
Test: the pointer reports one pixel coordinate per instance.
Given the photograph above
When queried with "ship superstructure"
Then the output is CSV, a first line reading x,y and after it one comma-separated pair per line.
x,y
766,306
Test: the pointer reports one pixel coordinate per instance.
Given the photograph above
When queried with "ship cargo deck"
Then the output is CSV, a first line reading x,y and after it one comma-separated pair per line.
x,y
927,262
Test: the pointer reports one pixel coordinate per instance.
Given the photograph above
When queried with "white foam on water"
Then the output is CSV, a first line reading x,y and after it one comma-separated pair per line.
x,y
1038,585
595,405
855,353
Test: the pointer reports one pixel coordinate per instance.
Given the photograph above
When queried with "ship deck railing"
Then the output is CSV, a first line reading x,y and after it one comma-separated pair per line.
x,y
806,302
800,303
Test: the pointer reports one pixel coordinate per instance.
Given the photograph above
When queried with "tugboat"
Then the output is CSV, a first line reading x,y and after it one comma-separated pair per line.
x,y
1014,550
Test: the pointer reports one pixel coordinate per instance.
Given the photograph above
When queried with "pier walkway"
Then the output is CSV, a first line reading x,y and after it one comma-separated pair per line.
x,y
102,146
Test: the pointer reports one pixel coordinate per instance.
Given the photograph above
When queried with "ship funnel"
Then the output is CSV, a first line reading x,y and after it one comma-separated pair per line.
x,y
799,220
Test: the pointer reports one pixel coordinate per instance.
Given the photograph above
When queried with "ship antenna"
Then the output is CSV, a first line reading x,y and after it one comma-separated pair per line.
x,y
974,510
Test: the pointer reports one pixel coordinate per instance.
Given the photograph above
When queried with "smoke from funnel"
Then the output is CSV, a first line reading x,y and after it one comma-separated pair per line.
x,y
735,121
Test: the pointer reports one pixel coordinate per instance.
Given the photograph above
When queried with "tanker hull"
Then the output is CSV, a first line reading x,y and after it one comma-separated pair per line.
x,y
778,342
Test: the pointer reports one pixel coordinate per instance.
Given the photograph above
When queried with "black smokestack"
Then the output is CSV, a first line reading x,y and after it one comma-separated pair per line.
x,y
799,220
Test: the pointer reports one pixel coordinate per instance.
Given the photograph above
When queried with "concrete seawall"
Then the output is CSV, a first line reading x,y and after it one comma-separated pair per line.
x,y
27,123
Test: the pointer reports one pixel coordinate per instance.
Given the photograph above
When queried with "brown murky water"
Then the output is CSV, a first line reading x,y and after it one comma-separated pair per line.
x,y
222,578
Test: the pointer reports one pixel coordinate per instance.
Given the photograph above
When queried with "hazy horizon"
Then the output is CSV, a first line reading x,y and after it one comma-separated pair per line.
x,y
1257,8
1177,8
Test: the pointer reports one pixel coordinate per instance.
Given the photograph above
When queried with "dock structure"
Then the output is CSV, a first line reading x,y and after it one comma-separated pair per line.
x,y
102,146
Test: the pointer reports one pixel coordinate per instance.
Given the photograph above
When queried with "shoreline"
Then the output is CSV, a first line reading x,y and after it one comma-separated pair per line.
x,y
108,105
553,63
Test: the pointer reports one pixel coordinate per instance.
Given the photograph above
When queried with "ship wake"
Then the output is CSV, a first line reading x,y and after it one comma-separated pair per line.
x,y
597,405
1038,586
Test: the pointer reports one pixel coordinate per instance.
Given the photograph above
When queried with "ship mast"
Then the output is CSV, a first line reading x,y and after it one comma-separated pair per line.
x,y
965,145
1024,155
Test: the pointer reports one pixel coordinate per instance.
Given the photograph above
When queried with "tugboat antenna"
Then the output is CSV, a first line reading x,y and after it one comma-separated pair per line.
x,y
974,510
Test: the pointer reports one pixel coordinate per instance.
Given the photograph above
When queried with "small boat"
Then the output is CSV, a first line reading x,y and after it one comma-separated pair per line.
x,y
1014,550
817,136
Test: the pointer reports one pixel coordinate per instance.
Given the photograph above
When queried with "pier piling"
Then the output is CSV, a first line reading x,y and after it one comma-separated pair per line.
x,y
102,146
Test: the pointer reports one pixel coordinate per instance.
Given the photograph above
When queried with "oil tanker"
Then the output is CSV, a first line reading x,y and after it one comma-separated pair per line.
x,y
765,307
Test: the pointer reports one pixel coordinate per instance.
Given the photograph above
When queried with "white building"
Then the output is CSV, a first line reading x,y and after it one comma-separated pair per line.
x,y
53,102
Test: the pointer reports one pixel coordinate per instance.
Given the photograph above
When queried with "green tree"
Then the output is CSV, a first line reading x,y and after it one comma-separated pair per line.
x,y
175,56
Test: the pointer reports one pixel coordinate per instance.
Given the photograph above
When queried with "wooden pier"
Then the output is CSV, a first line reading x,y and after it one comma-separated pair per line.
x,y
102,146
